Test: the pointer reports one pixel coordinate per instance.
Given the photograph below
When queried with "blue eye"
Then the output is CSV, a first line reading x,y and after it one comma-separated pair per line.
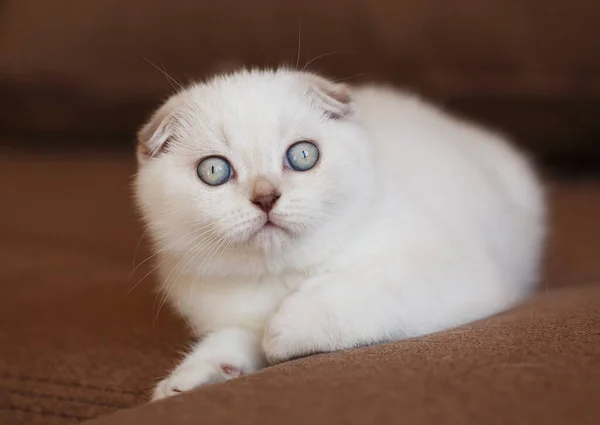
x,y
214,170
302,156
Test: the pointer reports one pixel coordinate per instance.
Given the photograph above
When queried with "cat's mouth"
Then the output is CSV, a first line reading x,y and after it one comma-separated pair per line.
x,y
271,225
269,230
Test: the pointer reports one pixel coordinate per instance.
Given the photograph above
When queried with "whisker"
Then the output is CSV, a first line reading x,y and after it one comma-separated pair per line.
x,y
214,250
158,250
187,258
137,247
191,256
164,72
325,55
299,44
339,80
196,237
219,246
171,79
145,276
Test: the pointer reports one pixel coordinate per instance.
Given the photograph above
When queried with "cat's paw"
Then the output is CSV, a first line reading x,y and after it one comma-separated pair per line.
x,y
189,376
302,326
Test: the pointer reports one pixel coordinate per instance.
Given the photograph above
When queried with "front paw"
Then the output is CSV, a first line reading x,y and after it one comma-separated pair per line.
x,y
302,326
189,376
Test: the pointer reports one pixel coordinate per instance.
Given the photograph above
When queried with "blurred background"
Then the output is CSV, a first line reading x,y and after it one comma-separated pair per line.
x,y
83,75
82,333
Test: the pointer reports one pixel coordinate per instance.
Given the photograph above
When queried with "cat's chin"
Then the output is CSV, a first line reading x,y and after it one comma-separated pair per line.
x,y
270,236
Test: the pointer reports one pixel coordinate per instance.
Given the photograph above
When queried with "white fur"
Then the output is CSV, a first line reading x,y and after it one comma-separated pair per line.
x,y
412,222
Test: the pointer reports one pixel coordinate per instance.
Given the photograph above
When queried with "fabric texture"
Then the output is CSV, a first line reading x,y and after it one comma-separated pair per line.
x,y
82,340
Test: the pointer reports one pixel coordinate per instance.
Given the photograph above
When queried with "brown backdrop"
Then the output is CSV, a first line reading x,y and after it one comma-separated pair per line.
x,y
73,70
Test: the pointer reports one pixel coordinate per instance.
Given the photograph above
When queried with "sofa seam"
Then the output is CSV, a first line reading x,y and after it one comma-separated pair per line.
x,y
73,384
33,394
43,412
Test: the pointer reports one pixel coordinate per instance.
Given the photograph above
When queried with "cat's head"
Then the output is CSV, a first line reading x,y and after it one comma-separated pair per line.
x,y
256,161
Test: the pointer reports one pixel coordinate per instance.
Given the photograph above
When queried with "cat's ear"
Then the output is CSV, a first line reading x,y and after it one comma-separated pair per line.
x,y
335,98
154,136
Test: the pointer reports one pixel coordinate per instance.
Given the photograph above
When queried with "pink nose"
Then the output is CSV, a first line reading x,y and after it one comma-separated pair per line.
x,y
266,202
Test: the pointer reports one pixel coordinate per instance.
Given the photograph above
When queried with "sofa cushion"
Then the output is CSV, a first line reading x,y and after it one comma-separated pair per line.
x,y
537,364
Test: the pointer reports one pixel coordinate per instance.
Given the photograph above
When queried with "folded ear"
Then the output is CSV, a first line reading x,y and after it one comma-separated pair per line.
x,y
154,136
335,98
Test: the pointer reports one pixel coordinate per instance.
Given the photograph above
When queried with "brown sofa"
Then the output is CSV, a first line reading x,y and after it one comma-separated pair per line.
x,y
82,337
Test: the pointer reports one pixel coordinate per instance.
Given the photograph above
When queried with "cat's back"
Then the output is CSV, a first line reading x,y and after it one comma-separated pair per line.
x,y
420,144
466,178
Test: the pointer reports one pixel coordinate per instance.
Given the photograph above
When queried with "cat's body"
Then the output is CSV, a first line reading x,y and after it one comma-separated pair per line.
x,y
410,222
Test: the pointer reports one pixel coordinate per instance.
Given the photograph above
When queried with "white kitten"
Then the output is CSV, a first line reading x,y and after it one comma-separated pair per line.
x,y
391,220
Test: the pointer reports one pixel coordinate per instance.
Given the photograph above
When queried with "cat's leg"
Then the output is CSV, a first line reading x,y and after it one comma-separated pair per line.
x,y
369,305
222,355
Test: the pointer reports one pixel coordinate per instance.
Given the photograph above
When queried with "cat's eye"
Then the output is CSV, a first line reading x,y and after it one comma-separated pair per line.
x,y
302,156
214,170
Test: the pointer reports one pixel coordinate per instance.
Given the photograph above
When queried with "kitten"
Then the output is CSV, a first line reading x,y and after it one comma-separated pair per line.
x,y
292,215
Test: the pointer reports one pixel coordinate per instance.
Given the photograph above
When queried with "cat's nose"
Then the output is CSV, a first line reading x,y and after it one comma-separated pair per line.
x,y
266,202
265,194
